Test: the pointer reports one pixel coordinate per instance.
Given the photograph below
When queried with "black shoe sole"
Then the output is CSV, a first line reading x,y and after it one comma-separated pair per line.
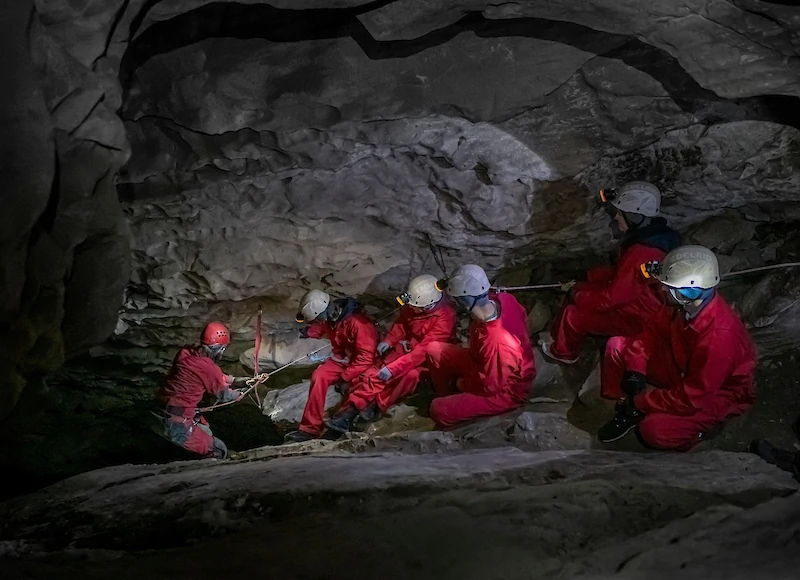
x,y
618,437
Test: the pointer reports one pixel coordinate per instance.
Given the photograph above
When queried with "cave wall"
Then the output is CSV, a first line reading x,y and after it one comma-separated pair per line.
x,y
65,244
259,148
27,166
276,149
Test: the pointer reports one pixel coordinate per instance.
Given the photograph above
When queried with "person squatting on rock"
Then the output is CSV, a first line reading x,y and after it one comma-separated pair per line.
x,y
781,458
354,340
195,373
426,316
690,369
495,373
614,300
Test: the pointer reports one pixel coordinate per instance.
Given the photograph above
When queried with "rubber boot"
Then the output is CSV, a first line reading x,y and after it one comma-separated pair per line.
x,y
343,421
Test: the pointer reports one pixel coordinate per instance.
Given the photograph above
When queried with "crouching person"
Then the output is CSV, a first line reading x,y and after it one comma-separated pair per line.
x,y
688,373
427,316
614,300
354,339
495,373
195,373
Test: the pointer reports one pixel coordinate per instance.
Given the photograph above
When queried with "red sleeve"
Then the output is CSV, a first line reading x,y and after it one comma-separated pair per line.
x,y
600,275
318,329
624,287
398,331
497,363
363,335
711,363
441,329
215,381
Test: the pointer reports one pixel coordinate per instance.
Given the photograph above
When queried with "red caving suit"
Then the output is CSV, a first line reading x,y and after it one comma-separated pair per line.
x,y
355,337
419,329
616,300
701,372
192,375
494,373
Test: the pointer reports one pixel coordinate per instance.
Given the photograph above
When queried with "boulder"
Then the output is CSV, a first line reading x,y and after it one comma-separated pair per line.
x,y
496,513
279,349
284,407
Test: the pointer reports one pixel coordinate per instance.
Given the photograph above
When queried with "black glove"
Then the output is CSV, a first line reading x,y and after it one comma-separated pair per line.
x,y
341,387
633,383
304,332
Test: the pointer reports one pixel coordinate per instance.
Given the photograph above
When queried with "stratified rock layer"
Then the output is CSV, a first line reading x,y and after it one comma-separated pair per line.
x,y
488,514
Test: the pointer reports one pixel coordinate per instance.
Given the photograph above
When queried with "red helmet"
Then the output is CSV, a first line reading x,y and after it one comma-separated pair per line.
x,y
215,333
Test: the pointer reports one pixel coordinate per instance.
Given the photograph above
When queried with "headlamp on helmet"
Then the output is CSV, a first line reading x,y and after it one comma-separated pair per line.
x,y
608,195
651,270
441,284
403,298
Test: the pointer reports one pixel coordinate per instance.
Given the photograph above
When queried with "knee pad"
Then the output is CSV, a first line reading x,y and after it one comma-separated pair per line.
x,y
177,433
218,449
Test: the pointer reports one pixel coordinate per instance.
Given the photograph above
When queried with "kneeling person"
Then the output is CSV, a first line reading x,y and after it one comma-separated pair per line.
x,y
426,317
688,372
195,373
354,339
495,373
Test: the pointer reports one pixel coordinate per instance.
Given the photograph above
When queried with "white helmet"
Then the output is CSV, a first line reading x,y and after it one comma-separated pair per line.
x,y
312,305
636,197
422,292
468,280
689,267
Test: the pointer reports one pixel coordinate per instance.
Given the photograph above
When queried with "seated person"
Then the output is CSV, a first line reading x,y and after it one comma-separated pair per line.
x,y
426,316
354,338
495,373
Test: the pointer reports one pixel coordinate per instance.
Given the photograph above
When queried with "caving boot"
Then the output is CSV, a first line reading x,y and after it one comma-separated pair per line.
x,y
371,414
297,437
342,422
625,419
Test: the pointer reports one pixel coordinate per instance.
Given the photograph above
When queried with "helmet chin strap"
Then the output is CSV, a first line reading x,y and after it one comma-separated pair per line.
x,y
635,220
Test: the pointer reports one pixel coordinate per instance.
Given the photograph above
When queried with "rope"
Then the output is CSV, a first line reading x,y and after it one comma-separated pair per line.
x,y
437,255
761,269
723,277
535,287
260,379
257,349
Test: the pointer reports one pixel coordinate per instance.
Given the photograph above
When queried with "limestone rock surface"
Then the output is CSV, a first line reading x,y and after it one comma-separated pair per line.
x,y
546,511
284,407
